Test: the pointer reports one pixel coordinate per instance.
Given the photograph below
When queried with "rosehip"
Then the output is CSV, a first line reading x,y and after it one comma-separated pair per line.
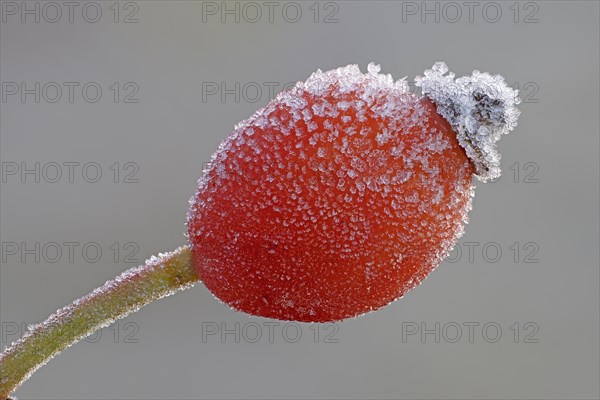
x,y
338,197
345,192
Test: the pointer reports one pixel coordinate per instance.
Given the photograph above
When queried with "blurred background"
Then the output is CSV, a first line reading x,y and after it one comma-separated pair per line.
x,y
110,110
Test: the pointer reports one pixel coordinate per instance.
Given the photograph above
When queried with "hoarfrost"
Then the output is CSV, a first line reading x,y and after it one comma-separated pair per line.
x,y
480,108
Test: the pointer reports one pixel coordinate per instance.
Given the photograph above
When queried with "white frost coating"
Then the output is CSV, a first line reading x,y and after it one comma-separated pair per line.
x,y
347,79
161,276
480,108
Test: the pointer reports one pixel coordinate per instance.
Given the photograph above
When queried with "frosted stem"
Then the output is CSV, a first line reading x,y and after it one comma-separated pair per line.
x,y
160,277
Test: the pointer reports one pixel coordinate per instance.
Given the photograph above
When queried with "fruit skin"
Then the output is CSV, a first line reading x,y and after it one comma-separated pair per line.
x,y
337,198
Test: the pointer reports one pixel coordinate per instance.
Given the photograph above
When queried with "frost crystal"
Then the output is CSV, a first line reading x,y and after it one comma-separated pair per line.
x,y
480,108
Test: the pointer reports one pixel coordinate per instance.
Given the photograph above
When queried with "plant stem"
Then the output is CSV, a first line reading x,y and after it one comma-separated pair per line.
x,y
160,277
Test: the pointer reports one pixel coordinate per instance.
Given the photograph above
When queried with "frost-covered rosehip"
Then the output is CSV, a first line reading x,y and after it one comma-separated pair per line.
x,y
346,191
338,197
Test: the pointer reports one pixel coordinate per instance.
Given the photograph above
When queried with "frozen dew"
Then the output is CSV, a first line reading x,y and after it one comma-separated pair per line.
x,y
373,68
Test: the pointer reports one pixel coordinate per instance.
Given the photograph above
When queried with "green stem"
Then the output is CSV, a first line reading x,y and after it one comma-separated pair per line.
x,y
160,277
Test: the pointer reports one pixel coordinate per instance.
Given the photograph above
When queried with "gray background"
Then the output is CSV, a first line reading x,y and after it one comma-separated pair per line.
x,y
171,132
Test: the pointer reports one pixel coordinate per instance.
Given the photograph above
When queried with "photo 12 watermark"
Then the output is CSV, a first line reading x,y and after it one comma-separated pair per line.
x,y
69,252
70,12
125,332
252,12
264,91
238,92
269,332
69,92
470,332
453,12
527,172
492,252
69,172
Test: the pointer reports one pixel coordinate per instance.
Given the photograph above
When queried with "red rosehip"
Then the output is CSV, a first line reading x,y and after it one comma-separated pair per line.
x,y
338,197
